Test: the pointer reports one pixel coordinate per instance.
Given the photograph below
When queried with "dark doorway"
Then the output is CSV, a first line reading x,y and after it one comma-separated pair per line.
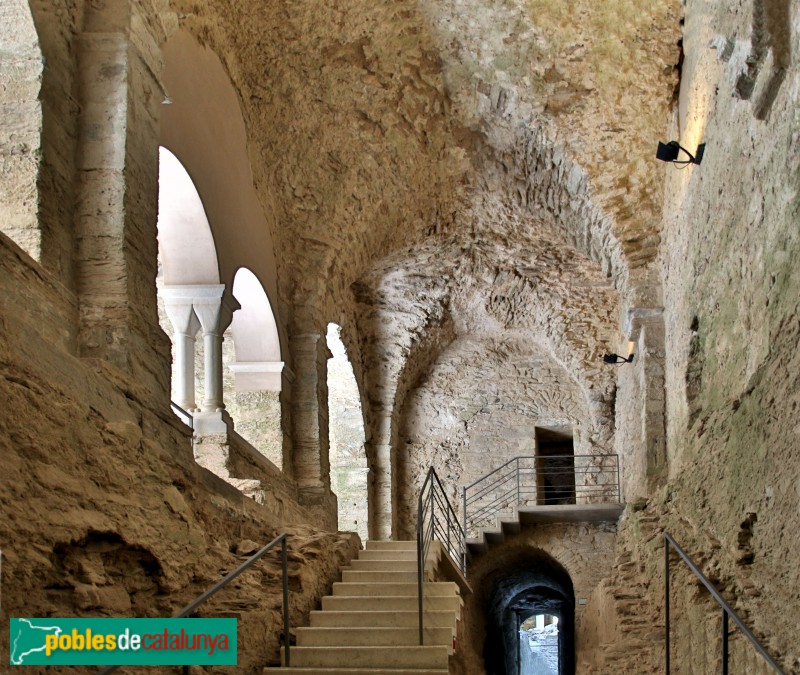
x,y
555,466
530,584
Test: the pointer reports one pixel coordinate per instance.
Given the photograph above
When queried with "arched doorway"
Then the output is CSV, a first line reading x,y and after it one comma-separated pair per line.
x,y
530,585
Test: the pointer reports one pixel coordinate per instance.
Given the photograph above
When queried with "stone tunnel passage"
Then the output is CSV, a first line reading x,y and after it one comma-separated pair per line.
x,y
532,584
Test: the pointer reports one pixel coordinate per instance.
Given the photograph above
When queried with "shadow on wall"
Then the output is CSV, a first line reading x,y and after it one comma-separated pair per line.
x,y
532,583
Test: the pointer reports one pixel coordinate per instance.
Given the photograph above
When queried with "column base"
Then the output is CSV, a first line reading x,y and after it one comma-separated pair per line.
x,y
212,422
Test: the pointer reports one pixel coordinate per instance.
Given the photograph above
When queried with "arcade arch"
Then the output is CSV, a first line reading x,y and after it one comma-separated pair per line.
x,y
346,433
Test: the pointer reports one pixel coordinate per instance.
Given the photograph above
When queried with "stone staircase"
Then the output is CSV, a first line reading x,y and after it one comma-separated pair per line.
x,y
370,625
510,521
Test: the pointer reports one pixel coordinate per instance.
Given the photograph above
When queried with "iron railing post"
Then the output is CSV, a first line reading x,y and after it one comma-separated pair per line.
x,y
728,611
518,493
449,550
285,580
465,513
454,539
724,642
666,602
419,563
619,482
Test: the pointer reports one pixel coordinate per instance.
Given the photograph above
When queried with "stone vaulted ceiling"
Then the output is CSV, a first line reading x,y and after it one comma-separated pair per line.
x,y
456,168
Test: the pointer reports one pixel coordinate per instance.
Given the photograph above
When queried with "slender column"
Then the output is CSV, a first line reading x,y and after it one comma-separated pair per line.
x,y
214,308
379,454
310,414
178,306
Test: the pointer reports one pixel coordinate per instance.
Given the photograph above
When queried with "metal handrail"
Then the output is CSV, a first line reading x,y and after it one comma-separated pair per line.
x,y
192,606
180,412
514,483
453,537
727,610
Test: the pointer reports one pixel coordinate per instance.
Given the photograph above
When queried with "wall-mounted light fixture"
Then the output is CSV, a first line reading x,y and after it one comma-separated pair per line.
x,y
617,359
669,152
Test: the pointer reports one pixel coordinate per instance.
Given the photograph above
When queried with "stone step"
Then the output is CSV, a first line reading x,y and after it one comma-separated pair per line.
x,y
432,588
389,603
378,576
372,637
388,555
414,657
398,619
383,565
373,545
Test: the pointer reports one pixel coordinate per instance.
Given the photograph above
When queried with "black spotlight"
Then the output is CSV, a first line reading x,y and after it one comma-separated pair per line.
x,y
669,152
616,358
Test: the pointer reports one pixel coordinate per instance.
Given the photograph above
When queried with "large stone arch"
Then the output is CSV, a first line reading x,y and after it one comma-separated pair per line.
x,y
204,126
415,304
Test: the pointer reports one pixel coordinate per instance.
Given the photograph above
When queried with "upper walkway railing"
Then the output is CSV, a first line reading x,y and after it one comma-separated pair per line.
x,y
247,564
727,611
540,481
436,519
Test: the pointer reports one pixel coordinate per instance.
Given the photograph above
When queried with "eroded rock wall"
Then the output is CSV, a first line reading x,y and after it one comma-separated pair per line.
x,y
103,510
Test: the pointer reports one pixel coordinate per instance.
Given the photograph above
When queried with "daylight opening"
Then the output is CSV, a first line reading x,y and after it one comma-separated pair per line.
x,y
538,645
346,431
252,379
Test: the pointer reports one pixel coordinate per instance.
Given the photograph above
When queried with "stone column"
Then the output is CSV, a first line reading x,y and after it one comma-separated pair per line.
x,y
310,462
214,308
381,472
119,63
179,309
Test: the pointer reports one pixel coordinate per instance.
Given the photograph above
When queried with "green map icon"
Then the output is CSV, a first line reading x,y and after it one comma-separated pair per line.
x,y
28,638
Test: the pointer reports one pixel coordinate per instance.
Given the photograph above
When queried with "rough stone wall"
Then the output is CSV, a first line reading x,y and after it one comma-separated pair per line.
x,y
21,73
103,508
56,24
478,408
729,262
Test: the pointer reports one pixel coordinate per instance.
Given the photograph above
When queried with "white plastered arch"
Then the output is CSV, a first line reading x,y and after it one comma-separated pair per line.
x,y
258,364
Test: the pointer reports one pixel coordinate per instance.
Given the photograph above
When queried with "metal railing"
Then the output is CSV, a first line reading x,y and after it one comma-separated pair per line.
x,y
192,606
727,611
539,481
436,519
184,415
